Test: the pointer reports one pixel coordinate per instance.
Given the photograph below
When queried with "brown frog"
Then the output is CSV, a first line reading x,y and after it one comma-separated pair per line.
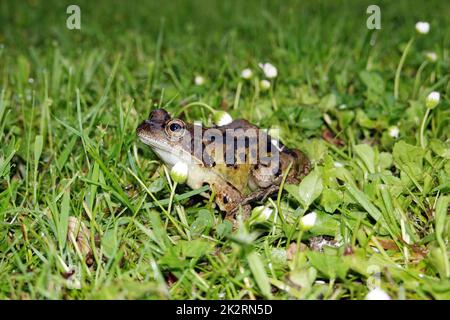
x,y
240,162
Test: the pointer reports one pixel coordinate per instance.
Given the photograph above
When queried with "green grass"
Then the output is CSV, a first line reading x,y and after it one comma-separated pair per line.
x,y
69,151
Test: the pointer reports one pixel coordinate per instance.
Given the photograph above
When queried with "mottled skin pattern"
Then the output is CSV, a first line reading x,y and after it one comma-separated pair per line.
x,y
234,184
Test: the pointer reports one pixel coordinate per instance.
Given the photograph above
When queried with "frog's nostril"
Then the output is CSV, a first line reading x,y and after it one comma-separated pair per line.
x,y
143,126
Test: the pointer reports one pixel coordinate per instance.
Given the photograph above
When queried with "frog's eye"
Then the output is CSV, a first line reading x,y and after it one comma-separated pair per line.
x,y
175,128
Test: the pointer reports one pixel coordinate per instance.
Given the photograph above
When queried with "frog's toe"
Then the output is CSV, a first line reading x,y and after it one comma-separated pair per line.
x,y
242,211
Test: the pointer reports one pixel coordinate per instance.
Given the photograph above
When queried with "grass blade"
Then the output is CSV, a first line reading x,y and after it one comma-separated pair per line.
x,y
259,273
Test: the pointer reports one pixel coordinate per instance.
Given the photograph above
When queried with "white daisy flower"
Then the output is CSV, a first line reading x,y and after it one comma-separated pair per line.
x,y
433,99
338,164
264,85
222,118
308,221
431,56
247,73
394,131
199,80
269,70
377,294
261,214
422,27
179,172
319,282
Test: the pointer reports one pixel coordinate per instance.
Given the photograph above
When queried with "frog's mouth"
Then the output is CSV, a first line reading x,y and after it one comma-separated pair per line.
x,y
167,153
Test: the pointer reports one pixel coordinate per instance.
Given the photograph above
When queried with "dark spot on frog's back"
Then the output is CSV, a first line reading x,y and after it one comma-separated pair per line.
x,y
292,152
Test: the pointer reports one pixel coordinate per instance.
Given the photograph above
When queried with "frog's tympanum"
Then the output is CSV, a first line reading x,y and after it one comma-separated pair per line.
x,y
240,162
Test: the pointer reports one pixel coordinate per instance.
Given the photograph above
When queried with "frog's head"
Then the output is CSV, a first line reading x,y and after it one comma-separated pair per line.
x,y
169,138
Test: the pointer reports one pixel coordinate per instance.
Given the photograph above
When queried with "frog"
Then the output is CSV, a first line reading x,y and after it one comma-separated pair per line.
x,y
240,162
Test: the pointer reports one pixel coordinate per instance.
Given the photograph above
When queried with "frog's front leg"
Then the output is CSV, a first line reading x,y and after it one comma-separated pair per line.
x,y
245,206
261,194
245,211
227,197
